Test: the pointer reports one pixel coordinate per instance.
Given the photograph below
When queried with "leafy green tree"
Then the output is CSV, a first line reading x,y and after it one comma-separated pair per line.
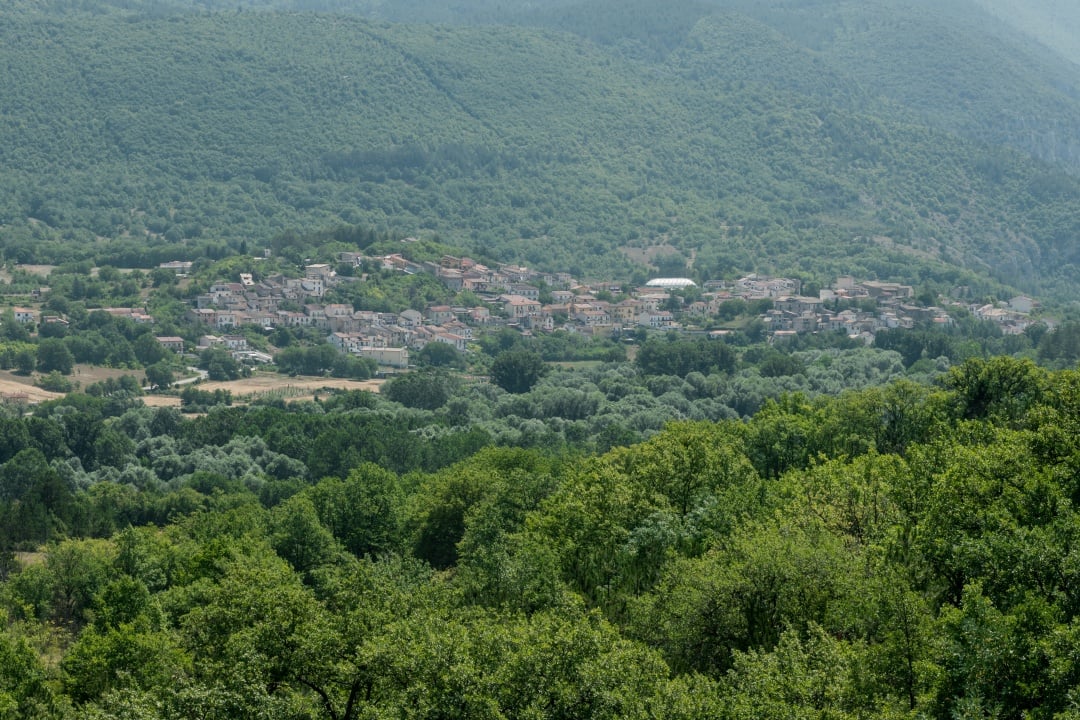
x,y
299,537
767,578
351,366
129,655
24,683
440,354
1000,386
426,390
79,570
517,371
26,360
364,511
14,436
159,375
53,355
40,502
11,328
804,675
148,350
681,357
219,364
55,382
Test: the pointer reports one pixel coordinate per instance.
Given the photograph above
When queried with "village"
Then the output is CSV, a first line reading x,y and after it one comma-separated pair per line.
x,y
528,301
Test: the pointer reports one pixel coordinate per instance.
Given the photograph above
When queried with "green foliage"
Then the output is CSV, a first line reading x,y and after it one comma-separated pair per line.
x,y
473,137
682,357
160,375
219,364
364,512
516,371
1001,386
439,354
425,390
316,360
55,382
24,689
893,551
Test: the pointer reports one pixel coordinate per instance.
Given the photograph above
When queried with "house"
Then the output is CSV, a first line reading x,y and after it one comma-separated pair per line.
x,y
180,267
201,315
457,327
480,315
224,289
887,289
1023,304
458,342
322,271
798,304
754,287
54,319
337,310
225,319
390,357
356,259
252,356
346,342
592,318
526,291
171,342
651,302
439,314
543,322
25,315
656,319
515,273
562,297
517,306
236,343
626,311
317,313
452,278
411,318
805,323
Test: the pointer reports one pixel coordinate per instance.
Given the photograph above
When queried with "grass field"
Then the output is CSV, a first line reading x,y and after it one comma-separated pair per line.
x,y
20,388
291,389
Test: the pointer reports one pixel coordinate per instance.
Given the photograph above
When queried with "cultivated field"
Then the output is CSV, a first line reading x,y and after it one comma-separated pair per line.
x,y
14,388
270,385
12,384
20,388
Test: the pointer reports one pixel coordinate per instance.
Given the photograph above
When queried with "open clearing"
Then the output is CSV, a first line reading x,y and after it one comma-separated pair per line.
x,y
20,388
16,388
271,384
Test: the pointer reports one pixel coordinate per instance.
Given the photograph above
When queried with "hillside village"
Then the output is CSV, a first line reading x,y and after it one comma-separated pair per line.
x,y
530,301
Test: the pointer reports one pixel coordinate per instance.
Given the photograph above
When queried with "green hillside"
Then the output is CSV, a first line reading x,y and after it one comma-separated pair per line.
x,y
132,133
1055,23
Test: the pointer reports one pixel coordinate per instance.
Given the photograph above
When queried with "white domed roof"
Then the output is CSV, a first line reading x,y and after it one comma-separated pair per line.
x,y
670,283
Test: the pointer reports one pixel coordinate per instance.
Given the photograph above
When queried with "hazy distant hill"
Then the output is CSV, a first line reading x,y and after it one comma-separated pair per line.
x,y
1055,23
743,145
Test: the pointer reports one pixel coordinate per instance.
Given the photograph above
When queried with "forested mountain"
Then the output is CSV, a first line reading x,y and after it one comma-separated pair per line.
x,y
1054,23
975,67
741,146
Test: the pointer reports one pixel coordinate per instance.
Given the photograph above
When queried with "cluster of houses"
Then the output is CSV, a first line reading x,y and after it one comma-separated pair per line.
x,y
529,301
892,304
1013,316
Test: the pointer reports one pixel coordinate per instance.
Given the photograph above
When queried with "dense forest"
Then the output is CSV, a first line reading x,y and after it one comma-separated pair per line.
x,y
701,519
735,140
899,551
